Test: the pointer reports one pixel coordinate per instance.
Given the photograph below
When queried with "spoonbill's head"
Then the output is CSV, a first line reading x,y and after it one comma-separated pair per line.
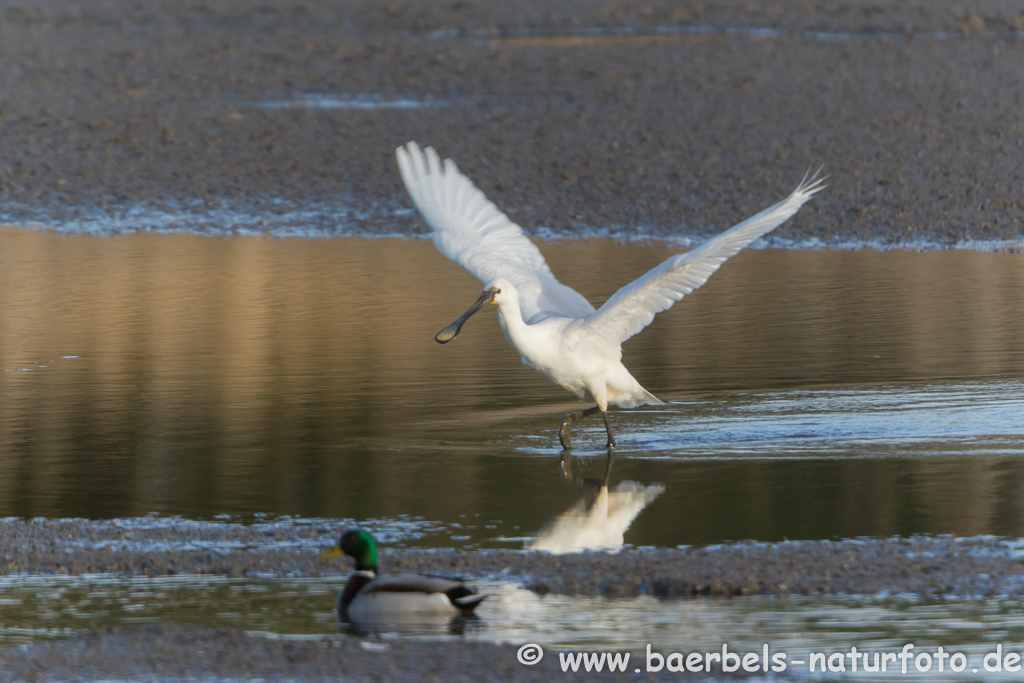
x,y
504,292
452,331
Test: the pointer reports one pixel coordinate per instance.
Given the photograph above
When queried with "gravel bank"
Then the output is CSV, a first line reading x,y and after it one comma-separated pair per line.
x,y
931,568
174,652
642,120
927,567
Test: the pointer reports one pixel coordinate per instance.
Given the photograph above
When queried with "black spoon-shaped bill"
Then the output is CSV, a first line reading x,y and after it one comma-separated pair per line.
x,y
452,331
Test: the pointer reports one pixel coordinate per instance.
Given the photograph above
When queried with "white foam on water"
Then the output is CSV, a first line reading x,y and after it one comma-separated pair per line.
x,y
366,101
165,534
962,419
275,217
283,218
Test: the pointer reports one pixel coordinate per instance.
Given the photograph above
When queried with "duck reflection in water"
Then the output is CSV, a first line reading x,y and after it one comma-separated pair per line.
x,y
410,603
594,523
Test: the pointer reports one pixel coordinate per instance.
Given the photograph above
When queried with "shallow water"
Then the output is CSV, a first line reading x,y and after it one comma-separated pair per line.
x,y
811,394
45,607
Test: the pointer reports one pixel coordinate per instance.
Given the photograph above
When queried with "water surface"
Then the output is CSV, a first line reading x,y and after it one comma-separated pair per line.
x,y
811,394
46,607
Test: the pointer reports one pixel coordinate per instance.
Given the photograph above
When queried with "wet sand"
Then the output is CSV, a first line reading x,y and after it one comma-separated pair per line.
x,y
656,119
930,568
913,107
923,566
181,652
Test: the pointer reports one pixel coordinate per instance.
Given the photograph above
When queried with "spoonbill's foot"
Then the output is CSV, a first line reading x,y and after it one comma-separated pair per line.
x,y
565,467
563,433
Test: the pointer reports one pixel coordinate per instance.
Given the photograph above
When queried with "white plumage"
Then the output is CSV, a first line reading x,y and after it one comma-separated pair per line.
x,y
598,524
470,230
553,327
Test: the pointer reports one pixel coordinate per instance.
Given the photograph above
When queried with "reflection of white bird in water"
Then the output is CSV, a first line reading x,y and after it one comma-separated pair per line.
x,y
553,328
598,524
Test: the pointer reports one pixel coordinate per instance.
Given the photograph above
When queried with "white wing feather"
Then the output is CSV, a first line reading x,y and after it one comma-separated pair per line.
x,y
634,306
471,231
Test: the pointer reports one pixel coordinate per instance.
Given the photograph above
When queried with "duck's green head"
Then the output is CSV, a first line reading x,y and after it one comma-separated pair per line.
x,y
357,544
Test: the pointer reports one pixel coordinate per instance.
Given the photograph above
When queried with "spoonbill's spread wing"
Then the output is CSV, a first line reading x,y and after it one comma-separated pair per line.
x,y
470,230
634,306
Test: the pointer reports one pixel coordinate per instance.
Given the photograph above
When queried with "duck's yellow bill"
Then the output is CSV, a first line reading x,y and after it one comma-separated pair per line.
x,y
336,551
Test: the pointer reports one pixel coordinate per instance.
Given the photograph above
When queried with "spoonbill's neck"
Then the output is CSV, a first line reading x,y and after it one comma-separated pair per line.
x,y
510,317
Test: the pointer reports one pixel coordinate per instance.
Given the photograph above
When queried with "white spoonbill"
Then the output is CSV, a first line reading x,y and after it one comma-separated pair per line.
x,y
553,327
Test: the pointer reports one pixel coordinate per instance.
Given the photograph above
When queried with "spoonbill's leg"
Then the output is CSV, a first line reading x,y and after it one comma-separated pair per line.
x,y
564,434
607,428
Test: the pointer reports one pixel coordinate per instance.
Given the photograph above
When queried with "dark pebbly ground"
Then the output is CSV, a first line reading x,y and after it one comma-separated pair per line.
x,y
925,566
181,652
931,568
650,120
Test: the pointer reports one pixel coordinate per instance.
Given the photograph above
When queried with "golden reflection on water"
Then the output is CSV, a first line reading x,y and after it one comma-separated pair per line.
x,y
199,375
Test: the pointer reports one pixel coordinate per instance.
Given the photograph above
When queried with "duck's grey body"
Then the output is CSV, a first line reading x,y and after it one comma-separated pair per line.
x,y
368,597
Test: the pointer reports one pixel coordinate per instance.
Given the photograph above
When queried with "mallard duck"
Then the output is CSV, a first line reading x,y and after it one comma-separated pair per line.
x,y
368,597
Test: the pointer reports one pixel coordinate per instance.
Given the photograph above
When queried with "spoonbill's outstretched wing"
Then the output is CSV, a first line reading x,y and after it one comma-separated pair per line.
x,y
634,306
470,230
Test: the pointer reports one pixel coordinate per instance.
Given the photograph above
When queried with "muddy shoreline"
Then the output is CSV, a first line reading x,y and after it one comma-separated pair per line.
x,y
930,569
927,567
661,120
192,653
